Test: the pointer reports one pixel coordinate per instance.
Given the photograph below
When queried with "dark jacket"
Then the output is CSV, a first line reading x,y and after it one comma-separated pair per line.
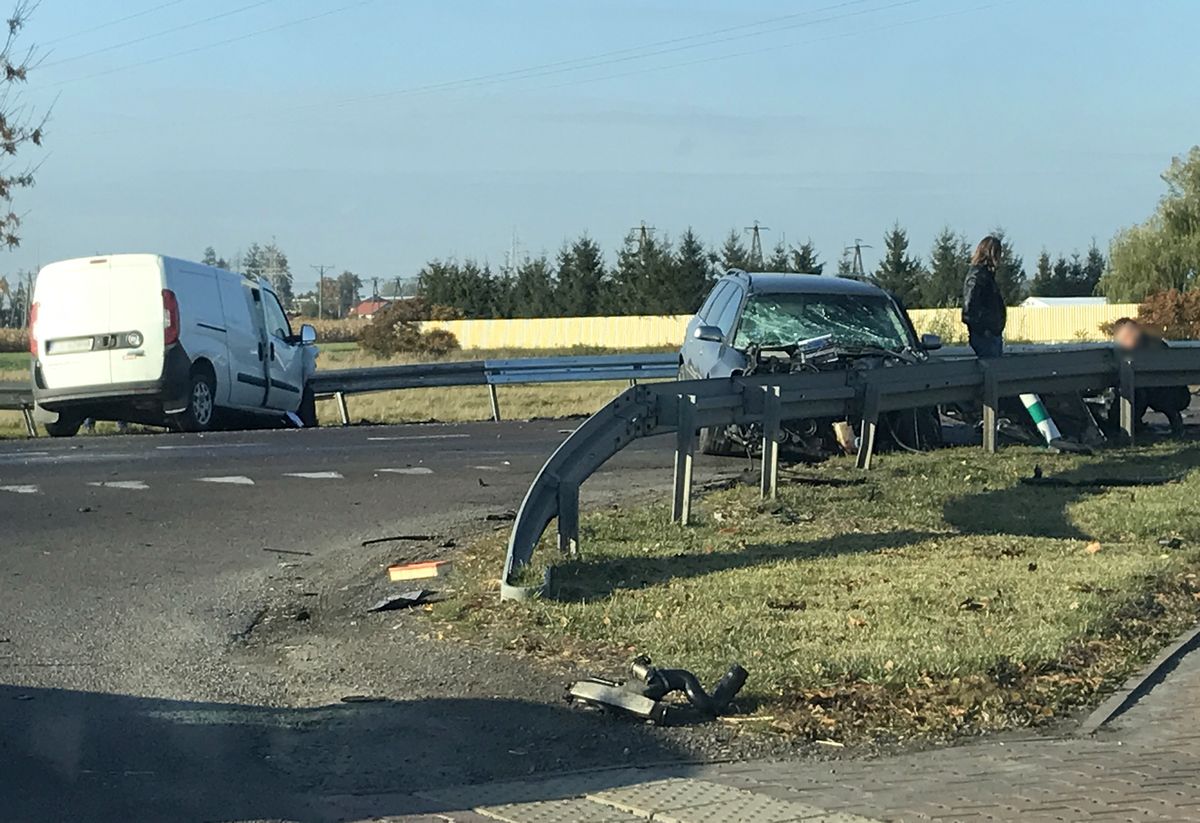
x,y
983,308
1165,399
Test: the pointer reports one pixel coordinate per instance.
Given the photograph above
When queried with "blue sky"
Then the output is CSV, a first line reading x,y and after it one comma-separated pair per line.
x,y
351,138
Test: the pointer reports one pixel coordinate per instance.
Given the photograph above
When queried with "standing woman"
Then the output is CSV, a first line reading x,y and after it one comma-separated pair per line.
x,y
983,310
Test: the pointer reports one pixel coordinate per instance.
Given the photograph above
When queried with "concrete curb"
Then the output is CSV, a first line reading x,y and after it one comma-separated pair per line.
x,y
1138,685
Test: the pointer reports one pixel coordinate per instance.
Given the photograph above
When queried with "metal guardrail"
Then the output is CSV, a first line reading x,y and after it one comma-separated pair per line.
x,y
491,373
19,397
683,408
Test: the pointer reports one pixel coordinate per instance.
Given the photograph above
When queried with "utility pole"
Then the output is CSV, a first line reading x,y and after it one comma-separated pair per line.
x,y
857,267
374,288
320,270
756,252
513,259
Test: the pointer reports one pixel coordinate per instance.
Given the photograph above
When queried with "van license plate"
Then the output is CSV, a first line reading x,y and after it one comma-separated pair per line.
x,y
69,346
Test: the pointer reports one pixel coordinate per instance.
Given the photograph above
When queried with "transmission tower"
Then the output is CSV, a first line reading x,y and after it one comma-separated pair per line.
x,y
644,234
857,266
756,252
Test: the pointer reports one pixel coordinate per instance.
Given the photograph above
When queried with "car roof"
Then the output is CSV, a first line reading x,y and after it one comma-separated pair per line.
x,y
782,283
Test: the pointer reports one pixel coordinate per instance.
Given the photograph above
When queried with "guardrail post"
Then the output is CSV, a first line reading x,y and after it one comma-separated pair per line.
x,y
870,424
30,426
1127,398
772,408
685,444
342,407
495,402
991,406
568,518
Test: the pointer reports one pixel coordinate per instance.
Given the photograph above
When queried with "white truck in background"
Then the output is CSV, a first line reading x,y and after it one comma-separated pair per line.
x,y
150,339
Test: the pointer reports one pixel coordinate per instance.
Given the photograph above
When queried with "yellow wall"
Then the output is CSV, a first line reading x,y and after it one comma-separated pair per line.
x,y
1056,325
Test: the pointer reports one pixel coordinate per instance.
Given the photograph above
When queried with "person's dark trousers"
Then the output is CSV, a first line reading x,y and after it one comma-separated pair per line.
x,y
985,344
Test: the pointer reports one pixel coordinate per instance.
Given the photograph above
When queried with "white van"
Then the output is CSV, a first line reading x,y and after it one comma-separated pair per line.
x,y
151,339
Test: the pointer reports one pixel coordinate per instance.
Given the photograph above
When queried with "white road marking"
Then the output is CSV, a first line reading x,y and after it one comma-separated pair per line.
x,y
20,489
423,437
488,468
233,480
315,475
408,470
132,485
207,446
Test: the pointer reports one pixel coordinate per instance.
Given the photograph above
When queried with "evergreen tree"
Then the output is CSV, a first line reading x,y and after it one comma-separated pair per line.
x,y
580,278
533,290
693,275
1094,266
1010,274
270,263
805,259
780,260
845,265
949,261
640,283
1044,283
733,254
436,281
898,273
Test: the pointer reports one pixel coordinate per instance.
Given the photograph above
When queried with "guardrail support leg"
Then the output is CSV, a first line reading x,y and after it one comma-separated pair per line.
x,y
870,424
30,426
342,407
991,406
770,451
495,402
1127,395
568,519
685,444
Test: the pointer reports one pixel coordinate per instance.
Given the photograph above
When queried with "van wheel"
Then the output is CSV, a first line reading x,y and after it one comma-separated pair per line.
x,y
308,409
64,426
201,411
715,440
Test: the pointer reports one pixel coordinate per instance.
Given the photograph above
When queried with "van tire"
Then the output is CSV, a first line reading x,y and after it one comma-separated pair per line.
x,y
715,440
64,426
201,412
308,409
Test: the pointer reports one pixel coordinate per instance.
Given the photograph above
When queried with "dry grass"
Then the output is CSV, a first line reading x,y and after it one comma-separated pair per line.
x,y
939,597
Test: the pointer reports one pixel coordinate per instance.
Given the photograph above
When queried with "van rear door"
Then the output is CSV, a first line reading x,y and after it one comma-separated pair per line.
x,y
99,321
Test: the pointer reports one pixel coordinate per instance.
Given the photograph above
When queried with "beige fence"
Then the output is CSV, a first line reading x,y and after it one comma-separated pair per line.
x,y
1054,325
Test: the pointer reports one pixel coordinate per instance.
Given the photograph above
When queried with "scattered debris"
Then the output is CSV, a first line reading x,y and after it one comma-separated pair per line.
x,y
1037,471
1033,567
502,516
833,743
362,698
1093,547
418,571
972,605
1170,542
289,551
403,600
482,484
787,605
642,695
449,543
397,538
302,615
85,509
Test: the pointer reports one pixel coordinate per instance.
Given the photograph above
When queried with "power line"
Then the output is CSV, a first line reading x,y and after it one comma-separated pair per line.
x,y
115,22
625,55
157,34
213,45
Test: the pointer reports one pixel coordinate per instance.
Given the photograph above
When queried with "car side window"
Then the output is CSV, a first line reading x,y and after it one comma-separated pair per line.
x,y
728,314
706,310
277,322
718,304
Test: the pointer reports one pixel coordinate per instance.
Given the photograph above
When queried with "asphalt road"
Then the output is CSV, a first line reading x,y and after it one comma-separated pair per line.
x,y
154,661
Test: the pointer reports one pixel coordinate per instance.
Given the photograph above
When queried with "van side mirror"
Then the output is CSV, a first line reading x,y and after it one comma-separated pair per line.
x,y
308,335
710,334
931,342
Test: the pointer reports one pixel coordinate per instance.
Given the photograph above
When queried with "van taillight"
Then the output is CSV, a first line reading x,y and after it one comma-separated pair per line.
x,y
170,317
33,343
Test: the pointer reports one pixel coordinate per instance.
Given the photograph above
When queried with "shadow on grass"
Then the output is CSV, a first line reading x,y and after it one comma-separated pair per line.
x,y
600,577
1041,511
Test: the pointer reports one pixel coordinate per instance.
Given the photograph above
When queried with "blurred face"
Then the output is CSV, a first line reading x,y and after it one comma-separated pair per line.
x,y
1128,336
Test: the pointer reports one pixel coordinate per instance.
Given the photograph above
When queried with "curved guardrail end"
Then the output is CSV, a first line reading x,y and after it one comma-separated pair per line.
x,y
510,592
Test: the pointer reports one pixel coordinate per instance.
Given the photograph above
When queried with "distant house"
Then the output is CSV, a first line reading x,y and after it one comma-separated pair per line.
x,y
367,309
1060,302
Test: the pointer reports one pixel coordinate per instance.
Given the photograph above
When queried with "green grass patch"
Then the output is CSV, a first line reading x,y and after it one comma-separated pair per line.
x,y
936,596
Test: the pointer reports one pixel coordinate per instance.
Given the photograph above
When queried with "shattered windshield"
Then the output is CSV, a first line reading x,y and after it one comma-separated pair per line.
x,y
853,320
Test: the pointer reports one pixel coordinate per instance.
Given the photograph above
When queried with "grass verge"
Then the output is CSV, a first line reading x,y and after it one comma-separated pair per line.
x,y
937,597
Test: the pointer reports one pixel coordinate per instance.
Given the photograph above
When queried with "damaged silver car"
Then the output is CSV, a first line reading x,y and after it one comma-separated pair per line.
x,y
788,323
